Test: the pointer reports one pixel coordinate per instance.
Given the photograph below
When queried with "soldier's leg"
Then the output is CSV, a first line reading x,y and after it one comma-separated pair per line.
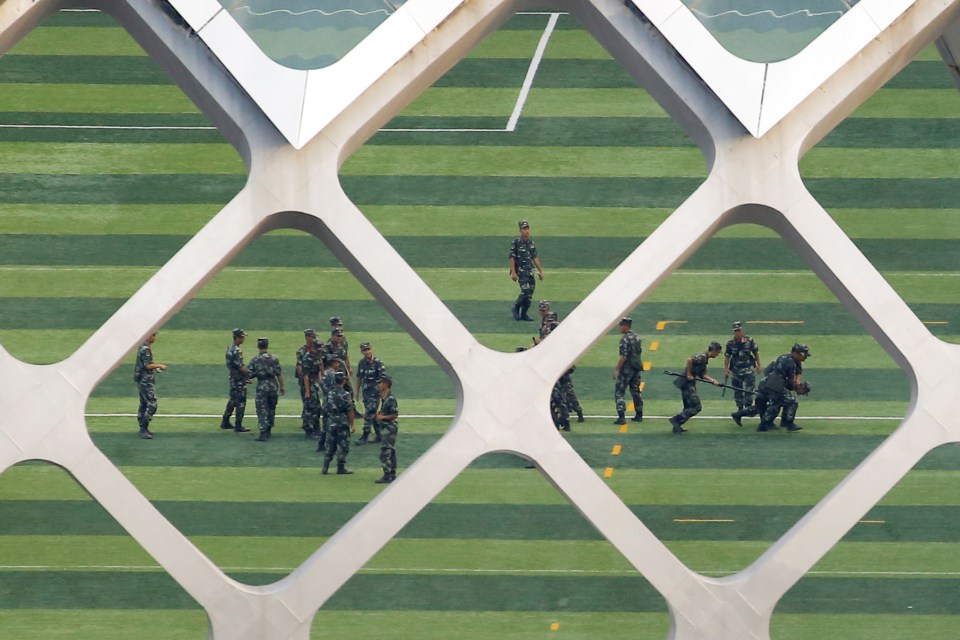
x,y
527,286
304,409
691,403
388,454
619,392
770,411
558,406
343,450
262,419
570,395
238,397
637,397
228,411
790,406
324,430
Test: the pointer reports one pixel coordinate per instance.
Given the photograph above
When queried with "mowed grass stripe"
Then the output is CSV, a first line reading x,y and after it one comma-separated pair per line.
x,y
586,253
77,41
111,69
119,159
725,479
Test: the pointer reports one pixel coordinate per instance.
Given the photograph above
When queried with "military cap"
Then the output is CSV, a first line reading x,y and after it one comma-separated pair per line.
x,y
523,224
627,321
386,377
262,343
737,326
715,346
310,332
552,316
239,333
364,346
336,332
801,348
340,376
544,305
335,320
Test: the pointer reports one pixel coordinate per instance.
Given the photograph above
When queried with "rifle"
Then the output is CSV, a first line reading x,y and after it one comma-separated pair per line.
x,y
725,386
726,377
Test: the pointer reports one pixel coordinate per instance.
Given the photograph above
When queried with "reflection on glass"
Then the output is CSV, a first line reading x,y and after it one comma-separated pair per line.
x,y
767,30
309,34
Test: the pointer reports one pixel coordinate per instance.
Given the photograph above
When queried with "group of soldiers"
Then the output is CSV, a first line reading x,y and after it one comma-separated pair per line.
x,y
323,373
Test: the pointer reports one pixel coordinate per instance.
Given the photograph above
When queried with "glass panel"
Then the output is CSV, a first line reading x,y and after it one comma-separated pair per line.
x,y
767,30
309,34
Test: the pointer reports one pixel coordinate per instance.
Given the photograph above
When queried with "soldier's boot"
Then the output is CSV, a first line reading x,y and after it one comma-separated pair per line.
x,y
342,469
790,426
677,425
516,311
737,415
638,417
264,436
239,428
364,437
326,466
322,442
565,425
225,421
523,311
764,426
386,478
621,419
580,415
146,435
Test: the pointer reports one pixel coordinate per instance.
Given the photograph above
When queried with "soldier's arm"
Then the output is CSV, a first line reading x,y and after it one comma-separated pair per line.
x,y
283,389
726,366
690,368
536,261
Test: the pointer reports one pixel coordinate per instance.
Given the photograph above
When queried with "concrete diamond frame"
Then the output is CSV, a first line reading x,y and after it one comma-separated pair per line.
x,y
751,180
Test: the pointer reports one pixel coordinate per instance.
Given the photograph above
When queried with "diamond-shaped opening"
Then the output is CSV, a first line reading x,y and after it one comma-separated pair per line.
x,y
71,571
716,495
498,553
888,176
310,34
894,574
214,483
586,157
767,30
107,171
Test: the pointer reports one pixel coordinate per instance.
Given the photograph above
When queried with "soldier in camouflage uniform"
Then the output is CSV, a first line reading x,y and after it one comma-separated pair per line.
x,y
369,370
386,417
339,404
627,373
309,337
696,370
144,376
742,359
311,366
327,383
340,346
778,391
523,259
238,379
265,367
564,390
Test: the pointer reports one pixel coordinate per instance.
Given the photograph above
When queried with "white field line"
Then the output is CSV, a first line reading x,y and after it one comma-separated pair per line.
x,y
450,416
106,127
429,570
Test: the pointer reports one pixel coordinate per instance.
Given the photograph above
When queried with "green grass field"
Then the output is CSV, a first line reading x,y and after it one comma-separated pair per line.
x,y
88,215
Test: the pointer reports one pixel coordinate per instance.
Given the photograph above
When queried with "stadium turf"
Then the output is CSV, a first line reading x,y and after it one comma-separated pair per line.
x,y
88,214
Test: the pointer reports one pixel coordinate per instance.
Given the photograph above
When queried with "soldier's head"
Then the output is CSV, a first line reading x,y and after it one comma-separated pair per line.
x,y
262,344
800,351
738,328
386,382
152,338
714,349
334,363
238,335
544,308
524,229
625,324
310,336
366,350
336,335
335,322
340,377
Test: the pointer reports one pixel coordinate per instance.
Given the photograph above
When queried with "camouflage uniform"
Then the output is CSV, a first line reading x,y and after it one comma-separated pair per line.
x,y
341,352
339,405
388,436
310,366
238,388
265,367
368,379
523,253
146,385
743,366
629,376
778,392
688,390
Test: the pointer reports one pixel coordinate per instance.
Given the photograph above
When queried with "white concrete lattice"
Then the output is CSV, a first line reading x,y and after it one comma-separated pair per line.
x,y
294,152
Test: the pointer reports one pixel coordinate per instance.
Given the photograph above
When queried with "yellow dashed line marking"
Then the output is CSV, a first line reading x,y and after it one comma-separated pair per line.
x,y
647,365
774,321
663,323
624,428
555,626
873,522
654,345
935,322
699,520
616,450
608,472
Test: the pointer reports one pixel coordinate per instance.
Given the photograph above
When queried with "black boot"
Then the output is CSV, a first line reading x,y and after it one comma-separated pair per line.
x,y
326,466
565,425
239,428
362,440
516,311
225,423
146,435
579,415
342,469
386,478
322,442
523,311
677,428
620,418
638,417
264,436
736,415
